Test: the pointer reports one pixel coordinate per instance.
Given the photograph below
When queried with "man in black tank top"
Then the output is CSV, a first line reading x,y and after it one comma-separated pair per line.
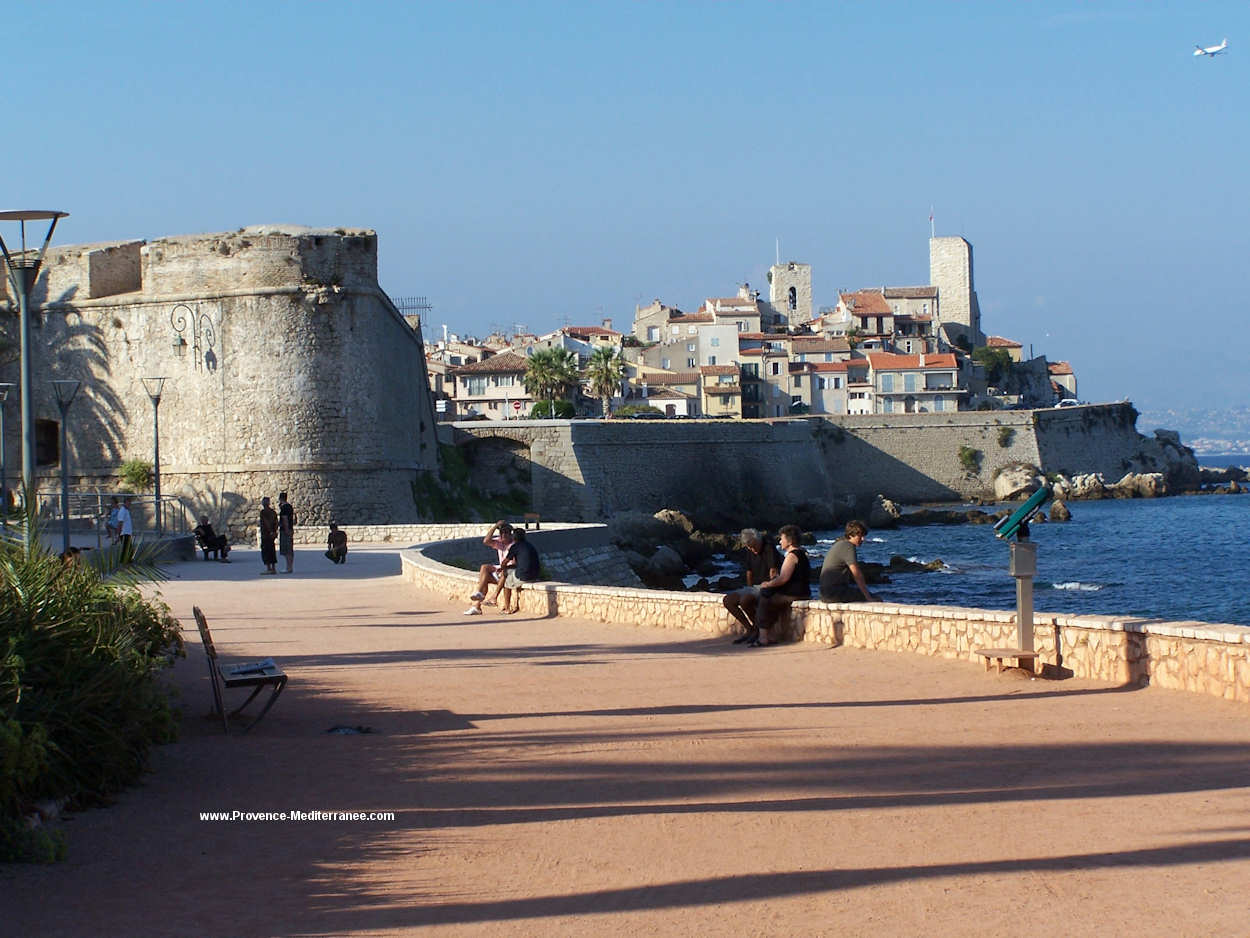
x,y
794,581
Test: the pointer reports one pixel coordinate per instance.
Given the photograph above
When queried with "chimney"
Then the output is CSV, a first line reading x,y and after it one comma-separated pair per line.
x,y
922,359
607,324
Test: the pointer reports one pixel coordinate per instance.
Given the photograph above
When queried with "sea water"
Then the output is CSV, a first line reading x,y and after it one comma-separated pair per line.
x,y
1177,558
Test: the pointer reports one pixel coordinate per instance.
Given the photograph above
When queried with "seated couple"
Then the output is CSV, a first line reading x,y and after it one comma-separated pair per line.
x,y
773,583
518,563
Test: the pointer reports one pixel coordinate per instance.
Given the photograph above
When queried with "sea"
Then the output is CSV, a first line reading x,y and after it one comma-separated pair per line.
x,y
1180,558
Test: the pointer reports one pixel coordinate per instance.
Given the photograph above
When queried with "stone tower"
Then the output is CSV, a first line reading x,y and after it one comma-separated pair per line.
x,y
790,293
950,270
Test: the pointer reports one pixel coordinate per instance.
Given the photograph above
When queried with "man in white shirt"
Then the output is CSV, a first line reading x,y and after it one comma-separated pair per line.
x,y
126,526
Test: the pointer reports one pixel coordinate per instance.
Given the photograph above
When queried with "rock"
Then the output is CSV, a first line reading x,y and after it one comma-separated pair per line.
x,y
671,516
1141,485
900,564
666,562
883,514
1059,511
639,531
1017,481
1089,487
1234,487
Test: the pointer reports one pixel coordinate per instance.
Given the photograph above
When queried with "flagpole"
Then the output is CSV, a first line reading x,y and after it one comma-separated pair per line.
x,y
932,233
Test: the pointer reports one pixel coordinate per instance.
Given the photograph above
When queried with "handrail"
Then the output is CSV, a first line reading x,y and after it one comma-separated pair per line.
x,y
89,510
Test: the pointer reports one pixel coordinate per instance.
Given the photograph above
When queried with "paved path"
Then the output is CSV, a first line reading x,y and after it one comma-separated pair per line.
x,y
565,777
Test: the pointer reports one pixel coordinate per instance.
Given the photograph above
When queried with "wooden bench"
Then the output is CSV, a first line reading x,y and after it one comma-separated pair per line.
x,y
1000,654
531,516
256,674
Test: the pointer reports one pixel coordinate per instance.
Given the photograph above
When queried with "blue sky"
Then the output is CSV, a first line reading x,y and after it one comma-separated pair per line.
x,y
544,163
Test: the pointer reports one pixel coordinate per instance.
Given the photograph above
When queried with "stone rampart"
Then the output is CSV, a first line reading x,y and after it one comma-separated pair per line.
x,y
287,368
589,470
1189,656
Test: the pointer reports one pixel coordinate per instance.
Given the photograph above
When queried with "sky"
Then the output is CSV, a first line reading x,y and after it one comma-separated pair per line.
x,y
544,164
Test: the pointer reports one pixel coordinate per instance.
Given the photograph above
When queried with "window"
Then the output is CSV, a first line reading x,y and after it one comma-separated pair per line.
x,y
691,363
715,341
664,363
776,368
751,370
494,405
725,399
711,359
828,356
795,400
475,386
676,330
887,406
47,442
796,381
692,330
690,346
837,382
505,381
939,404
887,382
909,382
794,299
742,326
653,333
821,384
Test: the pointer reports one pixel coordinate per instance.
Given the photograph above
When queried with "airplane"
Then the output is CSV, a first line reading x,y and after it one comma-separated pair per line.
x,y
1211,50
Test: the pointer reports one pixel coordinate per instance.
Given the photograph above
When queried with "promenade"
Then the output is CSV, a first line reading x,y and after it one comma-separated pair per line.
x,y
556,776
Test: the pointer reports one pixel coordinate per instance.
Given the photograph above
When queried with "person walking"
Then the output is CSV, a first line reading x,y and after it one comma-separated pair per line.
x,y
286,531
268,535
125,530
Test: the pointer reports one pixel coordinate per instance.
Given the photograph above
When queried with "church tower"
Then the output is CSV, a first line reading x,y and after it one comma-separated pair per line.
x,y
790,293
950,270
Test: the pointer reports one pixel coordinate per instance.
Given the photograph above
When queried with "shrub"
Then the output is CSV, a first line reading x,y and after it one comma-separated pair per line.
x,y
81,702
1005,436
136,475
970,459
542,410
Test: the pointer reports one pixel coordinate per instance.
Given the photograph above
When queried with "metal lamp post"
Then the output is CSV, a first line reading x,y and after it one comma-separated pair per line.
x,y
23,271
154,386
4,469
65,393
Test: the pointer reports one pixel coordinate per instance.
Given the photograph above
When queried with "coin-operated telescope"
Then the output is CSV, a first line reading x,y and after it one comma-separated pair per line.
x,y
1022,564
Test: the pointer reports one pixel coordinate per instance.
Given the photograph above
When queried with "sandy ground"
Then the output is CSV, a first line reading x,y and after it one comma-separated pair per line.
x,y
565,777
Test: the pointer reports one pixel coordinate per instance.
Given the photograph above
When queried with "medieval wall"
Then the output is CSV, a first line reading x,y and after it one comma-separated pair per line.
x,y
588,470
287,369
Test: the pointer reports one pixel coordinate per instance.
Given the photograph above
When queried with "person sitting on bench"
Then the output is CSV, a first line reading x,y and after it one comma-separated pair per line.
x,y
337,544
212,540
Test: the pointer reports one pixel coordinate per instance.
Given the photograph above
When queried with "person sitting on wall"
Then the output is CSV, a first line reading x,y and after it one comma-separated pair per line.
x,y
762,564
336,544
841,577
212,540
520,565
499,539
792,582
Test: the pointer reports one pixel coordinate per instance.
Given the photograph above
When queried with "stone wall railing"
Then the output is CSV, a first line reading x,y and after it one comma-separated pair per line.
x,y
1190,656
406,533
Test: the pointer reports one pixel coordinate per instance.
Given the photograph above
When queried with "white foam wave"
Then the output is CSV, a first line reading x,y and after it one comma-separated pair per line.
x,y
1077,586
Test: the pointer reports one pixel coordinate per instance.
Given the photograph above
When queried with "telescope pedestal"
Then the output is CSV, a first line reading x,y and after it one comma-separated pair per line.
x,y
1023,566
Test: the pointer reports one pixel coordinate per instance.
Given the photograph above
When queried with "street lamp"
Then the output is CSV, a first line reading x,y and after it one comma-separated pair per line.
x,y
4,473
65,392
23,270
154,386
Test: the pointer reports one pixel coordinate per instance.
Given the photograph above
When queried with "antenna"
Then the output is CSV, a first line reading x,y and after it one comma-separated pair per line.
x,y
778,252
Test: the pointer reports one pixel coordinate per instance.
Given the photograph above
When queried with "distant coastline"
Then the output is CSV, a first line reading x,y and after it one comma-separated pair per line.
x,y
1222,460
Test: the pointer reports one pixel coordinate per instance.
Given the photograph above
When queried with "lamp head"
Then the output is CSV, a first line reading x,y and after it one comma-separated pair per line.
x,y
66,391
154,387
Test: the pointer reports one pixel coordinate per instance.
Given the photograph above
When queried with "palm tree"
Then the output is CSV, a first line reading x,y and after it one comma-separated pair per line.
x,y
604,373
548,373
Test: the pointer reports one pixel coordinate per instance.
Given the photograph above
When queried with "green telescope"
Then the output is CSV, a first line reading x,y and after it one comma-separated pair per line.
x,y
1019,518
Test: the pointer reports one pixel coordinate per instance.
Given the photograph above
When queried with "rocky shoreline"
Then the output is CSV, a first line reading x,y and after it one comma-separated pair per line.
x,y
667,548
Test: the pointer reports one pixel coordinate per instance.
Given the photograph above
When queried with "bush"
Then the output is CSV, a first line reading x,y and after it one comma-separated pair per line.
x,y
628,410
136,475
542,410
81,703
1005,436
970,459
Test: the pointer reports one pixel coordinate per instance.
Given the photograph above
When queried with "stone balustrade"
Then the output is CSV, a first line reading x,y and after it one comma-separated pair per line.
x,y
1190,656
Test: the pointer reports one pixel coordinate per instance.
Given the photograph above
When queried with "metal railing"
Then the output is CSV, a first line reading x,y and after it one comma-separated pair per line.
x,y
88,512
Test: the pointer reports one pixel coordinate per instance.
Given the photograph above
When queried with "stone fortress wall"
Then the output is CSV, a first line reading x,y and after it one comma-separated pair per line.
x,y
293,371
589,470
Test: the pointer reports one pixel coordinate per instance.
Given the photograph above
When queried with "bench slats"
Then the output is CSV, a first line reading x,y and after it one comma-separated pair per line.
x,y
254,674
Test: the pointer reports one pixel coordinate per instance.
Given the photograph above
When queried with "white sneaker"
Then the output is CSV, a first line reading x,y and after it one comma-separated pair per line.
x,y
473,611
478,595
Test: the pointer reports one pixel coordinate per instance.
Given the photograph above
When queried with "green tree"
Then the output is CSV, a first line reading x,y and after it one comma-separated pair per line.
x,y
604,373
997,363
549,373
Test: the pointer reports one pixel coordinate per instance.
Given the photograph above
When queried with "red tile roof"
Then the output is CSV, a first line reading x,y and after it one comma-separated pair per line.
x,y
909,293
997,341
677,377
807,346
1059,368
693,317
496,364
888,361
719,370
829,366
585,332
869,302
